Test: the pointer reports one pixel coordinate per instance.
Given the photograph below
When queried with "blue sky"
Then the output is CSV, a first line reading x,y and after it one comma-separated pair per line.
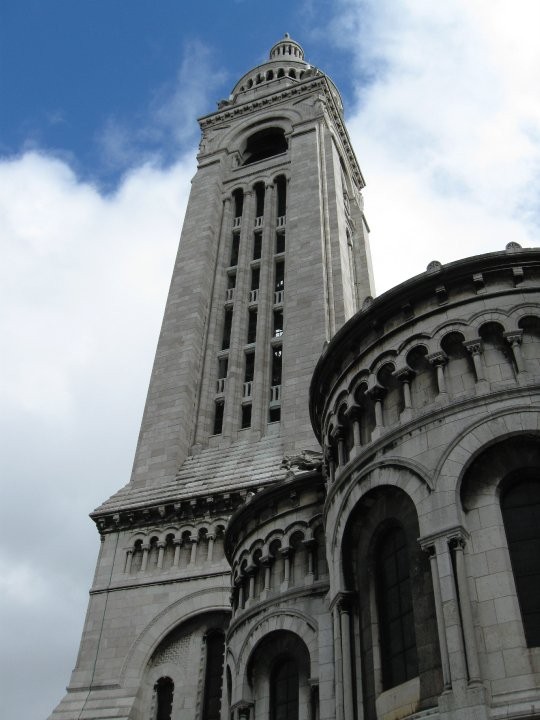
x,y
77,75
98,136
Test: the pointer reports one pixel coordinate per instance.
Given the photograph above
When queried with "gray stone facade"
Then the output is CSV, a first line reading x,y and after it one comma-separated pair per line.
x,y
311,459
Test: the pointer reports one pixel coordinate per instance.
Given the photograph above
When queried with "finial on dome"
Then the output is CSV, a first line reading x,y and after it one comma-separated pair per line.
x,y
287,48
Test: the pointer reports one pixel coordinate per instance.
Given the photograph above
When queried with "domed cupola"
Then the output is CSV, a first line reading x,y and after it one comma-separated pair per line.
x,y
287,48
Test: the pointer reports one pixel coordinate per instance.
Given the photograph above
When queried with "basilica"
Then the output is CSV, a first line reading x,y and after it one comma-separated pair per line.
x,y
334,509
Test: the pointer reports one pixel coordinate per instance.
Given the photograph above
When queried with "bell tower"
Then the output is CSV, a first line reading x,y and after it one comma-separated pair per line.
x,y
273,259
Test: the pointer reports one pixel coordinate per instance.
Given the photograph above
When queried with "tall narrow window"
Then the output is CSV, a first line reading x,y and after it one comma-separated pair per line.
x,y
280,241
259,199
280,276
235,248
255,278
257,245
218,418
250,367
252,326
213,676
227,325
246,416
520,505
284,690
278,323
238,197
164,689
223,364
277,353
281,192
394,602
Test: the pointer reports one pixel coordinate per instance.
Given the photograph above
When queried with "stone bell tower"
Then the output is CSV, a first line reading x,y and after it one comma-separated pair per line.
x,y
273,259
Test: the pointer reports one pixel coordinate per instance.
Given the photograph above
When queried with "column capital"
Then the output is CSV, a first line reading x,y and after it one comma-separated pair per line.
x,y
404,374
429,543
514,337
438,358
474,346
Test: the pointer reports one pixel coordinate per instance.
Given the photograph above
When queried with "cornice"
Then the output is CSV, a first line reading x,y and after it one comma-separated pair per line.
x,y
321,84
202,506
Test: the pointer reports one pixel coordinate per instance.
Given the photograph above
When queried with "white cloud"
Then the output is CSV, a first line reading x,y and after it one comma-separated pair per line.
x,y
83,284
448,130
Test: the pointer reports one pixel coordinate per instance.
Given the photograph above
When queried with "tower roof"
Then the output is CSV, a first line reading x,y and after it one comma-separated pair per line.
x,y
287,48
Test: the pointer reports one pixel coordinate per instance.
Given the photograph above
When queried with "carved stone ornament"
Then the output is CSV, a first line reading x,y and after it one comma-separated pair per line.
x,y
304,461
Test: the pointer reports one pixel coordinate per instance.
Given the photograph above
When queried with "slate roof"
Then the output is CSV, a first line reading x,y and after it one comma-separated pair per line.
x,y
240,466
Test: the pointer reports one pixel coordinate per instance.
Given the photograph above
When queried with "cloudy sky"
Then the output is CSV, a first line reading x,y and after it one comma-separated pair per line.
x,y
98,136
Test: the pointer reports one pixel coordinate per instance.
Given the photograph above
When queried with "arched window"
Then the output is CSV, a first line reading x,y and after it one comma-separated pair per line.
x,y
520,505
394,602
264,144
284,690
164,689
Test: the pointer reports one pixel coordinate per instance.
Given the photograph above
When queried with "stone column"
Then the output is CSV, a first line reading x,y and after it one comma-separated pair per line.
x,y
438,360
377,393
405,376
266,563
514,338
346,649
310,546
210,555
285,552
193,556
161,550
340,437
469,635
177,546
452,621
235,377
144,563
338,664
354,416
441,631
250,570
475,348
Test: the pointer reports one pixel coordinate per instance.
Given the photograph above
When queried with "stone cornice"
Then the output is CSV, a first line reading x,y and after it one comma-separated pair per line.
x,y
356,332
320,84
172,511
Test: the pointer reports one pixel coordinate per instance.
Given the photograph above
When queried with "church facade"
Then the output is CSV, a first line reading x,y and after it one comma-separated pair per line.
x,y
334,509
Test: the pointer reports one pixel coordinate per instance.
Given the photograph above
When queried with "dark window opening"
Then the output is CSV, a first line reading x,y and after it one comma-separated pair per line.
x,y
250,367
218,418
270,75
227,325
223,365
280,276
231,281
259,199
520,506
284,690
252,326
164,697
255,278
280,242
235,247
274,414
278,323
281,192
246,416
277,354
257,245
213,678
238,197
396,620
281,73
292,73
264,144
